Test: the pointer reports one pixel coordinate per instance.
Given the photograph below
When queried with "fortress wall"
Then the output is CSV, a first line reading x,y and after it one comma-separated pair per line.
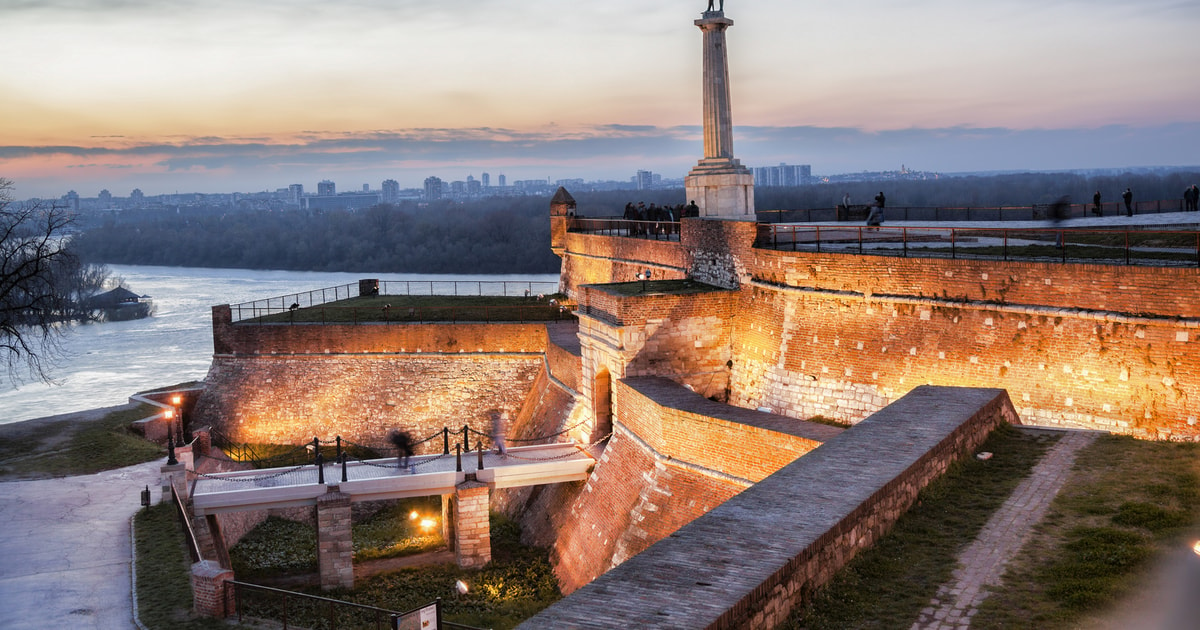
x,y
595,259
289,399
823,347
749,561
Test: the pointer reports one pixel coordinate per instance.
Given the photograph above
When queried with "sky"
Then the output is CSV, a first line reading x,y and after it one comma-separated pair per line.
x,y
252,95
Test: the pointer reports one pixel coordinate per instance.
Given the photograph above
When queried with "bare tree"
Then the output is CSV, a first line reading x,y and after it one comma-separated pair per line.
x,y
36,272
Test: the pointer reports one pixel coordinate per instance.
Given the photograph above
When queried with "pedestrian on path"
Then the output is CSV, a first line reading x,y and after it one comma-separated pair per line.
x,y
500,431
1096,204
1127,197
404,447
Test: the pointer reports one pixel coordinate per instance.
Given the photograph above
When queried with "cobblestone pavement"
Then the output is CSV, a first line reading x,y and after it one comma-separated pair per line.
x,y
982,563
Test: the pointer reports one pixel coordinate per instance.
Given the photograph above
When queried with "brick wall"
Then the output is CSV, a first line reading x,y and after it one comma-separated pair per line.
x,y
592,259
748,562
335,548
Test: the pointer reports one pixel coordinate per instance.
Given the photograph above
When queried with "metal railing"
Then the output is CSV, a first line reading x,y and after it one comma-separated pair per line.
x,y
404,315
650,230
1111,247
1035,212
186,524
329,295
300,610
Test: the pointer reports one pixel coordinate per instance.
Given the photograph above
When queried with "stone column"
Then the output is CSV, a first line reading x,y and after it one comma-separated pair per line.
x,y
472,532
335,548
719,184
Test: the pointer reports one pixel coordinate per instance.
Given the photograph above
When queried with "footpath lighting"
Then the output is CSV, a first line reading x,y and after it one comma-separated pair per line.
x,y
461,587
1196,548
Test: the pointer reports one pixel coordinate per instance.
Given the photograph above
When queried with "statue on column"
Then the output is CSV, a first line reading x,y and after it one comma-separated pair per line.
x,y
721,6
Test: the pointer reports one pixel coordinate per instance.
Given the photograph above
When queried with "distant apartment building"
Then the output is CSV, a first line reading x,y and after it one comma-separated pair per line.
x,y
295,194
487,180
326,188
644,180
346,201
474,188
105,198
72,200
502,180
137,198
783,175
391,191
433,188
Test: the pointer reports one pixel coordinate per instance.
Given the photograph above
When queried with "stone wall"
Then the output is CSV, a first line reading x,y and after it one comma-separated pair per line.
x,y
592,259
750,561
286,384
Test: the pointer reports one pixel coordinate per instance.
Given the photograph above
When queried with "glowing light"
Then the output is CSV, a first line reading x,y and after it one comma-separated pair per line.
x,y
461,587
176,399
413,516
1196,547
169,413
427,523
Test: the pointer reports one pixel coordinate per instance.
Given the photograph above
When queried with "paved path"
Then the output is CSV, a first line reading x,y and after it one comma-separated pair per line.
x,y
67,549
982,563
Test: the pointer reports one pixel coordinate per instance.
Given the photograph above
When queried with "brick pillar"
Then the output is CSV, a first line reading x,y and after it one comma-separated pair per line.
x,y
472,533
210,598
335,550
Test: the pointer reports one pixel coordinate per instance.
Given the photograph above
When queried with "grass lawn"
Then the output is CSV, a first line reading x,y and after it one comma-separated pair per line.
x,y
1126,503
516,585
425,308
888,585
164,573
66,447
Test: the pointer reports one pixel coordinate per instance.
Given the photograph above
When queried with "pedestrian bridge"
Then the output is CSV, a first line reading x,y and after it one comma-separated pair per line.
x,y
381,479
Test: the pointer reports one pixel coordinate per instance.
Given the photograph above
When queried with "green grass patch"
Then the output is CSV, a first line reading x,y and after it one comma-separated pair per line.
x,y
427,308
276,547
68,448
1127,503
888,585
393,532
518,584
164,592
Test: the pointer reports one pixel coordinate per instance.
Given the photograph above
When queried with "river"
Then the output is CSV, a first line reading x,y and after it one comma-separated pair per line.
x,y
102,364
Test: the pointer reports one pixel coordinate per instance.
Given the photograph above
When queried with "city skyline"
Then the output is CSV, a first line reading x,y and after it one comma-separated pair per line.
x,y
216,96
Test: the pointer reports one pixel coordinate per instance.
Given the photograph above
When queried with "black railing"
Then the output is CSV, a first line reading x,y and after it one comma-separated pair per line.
x,y
402,315
312,612
1035,212
185,522
329,295
650,230
1110,247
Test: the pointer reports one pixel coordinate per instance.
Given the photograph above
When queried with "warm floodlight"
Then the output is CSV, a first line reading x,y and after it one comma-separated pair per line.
x,y
461,587
427,523
169,413
413,516
1196,547
176,399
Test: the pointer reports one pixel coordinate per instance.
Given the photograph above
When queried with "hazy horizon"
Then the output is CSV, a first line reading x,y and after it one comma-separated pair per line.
x,y
216,96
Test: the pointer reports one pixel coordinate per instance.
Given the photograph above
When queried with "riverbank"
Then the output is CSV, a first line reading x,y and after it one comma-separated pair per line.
x,y
77,443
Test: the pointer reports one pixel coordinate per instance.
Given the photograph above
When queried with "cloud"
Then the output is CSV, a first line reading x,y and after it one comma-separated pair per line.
x,y
610,151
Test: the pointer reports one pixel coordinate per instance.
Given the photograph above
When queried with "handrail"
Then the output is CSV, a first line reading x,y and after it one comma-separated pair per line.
x,y
379,614
651,230
1032,212
1164,248
181,510
404,315
318,297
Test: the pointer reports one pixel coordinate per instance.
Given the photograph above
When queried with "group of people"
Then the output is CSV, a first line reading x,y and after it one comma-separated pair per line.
x,y
1126,197
1191,198
656,219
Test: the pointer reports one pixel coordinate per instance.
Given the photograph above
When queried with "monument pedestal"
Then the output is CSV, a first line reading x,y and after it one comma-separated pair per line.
x,y
725,190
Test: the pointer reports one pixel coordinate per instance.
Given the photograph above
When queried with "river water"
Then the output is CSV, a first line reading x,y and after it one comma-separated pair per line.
x,y
102,364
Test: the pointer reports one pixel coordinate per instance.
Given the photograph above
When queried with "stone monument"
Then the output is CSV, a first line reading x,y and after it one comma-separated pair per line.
x,y
719,184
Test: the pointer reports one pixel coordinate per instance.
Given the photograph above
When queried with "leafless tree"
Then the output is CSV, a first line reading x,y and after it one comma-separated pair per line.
x,y
36,272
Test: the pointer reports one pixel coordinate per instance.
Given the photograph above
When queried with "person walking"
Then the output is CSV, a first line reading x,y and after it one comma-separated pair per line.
x,y
404,447
1127,197
1096,204
880,200
500,431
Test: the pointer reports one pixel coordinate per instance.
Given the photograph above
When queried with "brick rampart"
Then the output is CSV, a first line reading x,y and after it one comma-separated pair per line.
x,y
750,561
592,259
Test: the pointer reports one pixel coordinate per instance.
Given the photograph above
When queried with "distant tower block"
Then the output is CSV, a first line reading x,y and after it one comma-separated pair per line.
x,y
719,184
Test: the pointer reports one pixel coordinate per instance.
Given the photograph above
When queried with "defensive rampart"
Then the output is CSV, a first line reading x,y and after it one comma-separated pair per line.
x,y
749,561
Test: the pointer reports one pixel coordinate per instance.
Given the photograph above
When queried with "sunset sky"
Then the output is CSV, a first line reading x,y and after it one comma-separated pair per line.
x,y
251,95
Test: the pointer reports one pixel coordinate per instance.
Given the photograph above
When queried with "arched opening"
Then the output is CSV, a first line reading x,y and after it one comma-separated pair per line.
x,y
602,405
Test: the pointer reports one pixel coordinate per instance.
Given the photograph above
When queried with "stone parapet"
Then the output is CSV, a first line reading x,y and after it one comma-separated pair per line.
x,y
210,596
335,547
472,530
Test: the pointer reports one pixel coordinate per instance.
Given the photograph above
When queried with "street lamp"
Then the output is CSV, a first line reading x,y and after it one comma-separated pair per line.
x,y
177,403
644,276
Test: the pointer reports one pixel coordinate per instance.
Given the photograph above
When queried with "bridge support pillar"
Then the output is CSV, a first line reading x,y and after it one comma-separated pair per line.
x,y
335,548
448,520
472,532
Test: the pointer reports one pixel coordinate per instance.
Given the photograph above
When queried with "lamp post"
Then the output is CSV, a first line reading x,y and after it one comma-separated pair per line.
x,y
644,276
177,403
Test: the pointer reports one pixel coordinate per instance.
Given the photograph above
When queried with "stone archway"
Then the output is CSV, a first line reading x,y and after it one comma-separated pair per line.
x,y
602,404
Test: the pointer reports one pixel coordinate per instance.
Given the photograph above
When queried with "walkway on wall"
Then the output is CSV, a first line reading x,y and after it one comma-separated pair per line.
x,y
380,479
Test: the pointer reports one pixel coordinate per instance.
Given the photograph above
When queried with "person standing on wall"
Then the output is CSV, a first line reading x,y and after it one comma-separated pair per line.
x,y
880,200
1096,204
1127,197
